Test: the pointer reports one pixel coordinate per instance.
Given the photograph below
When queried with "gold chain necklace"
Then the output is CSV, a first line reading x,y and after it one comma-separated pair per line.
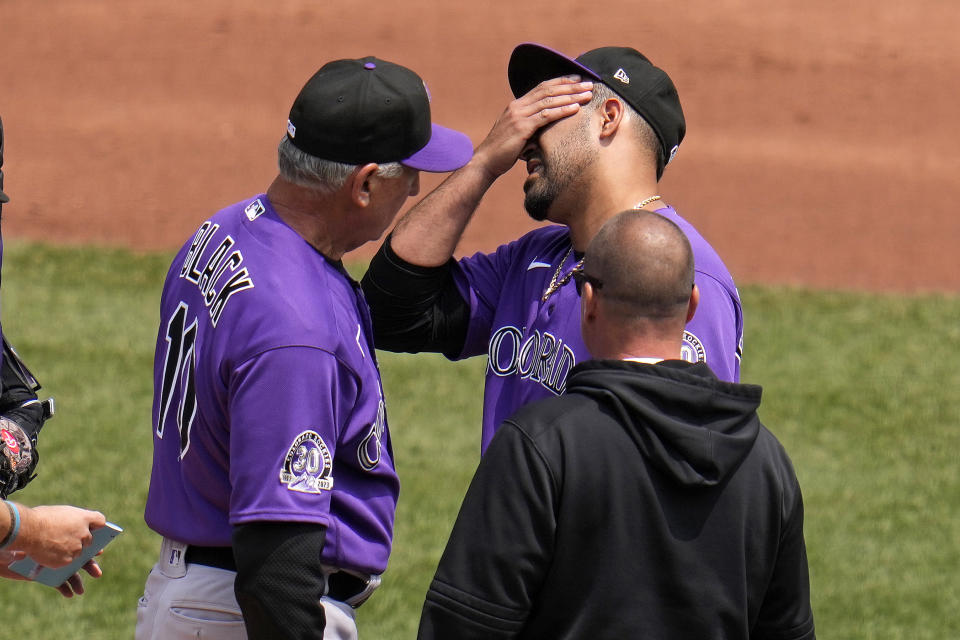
x,y
646,201
556,281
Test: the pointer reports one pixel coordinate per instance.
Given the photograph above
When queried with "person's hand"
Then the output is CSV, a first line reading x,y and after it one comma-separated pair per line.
x,y
549,101
74,584
55,535
8,557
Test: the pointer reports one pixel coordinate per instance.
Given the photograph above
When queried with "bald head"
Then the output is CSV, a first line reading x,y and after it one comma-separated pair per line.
x,y
646,266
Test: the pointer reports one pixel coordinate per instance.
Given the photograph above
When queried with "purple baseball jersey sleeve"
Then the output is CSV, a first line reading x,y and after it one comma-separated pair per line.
x,y
267,397
532,344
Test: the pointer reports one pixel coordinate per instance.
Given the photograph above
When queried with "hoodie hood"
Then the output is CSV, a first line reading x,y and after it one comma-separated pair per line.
x,y
689,424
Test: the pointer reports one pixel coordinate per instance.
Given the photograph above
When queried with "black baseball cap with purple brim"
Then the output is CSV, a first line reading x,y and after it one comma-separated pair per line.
x,y
646,88
372,110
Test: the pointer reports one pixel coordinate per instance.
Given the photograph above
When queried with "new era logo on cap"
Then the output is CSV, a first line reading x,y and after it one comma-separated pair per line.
x,y
673,153
622,76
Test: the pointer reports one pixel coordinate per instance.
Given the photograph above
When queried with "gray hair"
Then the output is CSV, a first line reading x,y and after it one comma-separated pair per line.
x,y
641,128
311,172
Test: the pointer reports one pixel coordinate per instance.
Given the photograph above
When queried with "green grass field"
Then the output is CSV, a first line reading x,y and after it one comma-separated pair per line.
x,y
862,390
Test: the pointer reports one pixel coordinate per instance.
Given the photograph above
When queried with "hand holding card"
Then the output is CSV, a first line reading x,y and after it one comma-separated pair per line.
x,y
29,568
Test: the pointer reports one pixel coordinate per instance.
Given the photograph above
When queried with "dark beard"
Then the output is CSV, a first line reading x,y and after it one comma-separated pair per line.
x,y
539,196
557,174
537,203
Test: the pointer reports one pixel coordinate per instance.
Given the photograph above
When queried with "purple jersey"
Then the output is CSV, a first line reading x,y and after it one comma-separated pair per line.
x,y
267,397
531,345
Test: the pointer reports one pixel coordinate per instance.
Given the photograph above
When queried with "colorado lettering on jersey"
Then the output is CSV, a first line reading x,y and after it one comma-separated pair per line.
x,y
544,358
207,278
368,453
540,357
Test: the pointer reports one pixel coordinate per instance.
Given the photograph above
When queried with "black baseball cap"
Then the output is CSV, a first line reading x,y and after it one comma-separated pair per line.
x,y
646,88
3,197
372,110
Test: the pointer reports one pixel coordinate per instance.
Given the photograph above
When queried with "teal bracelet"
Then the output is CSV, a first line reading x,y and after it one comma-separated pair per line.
x,y
14,525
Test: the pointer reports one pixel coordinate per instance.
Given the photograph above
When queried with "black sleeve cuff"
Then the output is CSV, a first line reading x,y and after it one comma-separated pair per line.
x,y
415,308
279,581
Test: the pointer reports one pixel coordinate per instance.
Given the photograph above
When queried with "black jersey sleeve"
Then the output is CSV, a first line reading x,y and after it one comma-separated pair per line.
x,y
415,308
500,549
18,397
279,580
786,610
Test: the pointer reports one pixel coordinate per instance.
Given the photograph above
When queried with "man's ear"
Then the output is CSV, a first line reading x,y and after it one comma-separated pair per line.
x,y
359,183
588,302
588,315
694,302
612,115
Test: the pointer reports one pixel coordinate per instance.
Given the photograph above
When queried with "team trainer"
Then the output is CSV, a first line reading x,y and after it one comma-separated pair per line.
x,y
273,480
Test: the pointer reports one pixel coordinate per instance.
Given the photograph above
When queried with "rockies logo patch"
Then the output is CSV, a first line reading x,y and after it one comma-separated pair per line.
x,y
692,349
308,465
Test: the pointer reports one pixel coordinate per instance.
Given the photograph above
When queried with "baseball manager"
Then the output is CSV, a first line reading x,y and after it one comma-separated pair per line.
x,y
273,481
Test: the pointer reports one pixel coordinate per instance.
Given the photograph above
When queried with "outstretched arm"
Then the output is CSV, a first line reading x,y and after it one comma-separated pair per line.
x,y
428,234
415,304
51,535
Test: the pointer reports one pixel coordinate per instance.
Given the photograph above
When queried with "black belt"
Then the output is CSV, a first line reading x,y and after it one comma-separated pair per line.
x,y
342,586
219,557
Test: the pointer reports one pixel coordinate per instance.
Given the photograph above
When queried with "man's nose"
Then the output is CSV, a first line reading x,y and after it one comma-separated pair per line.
x,y
529,149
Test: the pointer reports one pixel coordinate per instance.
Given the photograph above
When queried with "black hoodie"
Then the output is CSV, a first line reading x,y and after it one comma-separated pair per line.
x,y
647,502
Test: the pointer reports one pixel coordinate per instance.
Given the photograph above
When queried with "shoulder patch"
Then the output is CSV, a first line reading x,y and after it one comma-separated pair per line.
x,y
692,349
308,465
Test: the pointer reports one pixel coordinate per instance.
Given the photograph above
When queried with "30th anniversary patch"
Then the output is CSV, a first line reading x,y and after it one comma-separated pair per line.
x,y
308,464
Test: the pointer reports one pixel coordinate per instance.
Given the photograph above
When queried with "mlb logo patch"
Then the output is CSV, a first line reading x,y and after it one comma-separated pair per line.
x,y
254,210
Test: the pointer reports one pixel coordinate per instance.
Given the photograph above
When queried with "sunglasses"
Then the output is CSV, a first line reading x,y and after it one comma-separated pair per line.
x,y
580,276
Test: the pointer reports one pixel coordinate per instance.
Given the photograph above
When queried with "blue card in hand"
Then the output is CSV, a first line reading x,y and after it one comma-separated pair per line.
x,y
29,568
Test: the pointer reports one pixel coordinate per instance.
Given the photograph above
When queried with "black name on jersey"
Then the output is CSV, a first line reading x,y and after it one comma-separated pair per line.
x,y
215,293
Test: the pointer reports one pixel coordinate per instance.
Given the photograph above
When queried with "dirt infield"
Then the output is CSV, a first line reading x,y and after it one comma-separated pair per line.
x,y
822,144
